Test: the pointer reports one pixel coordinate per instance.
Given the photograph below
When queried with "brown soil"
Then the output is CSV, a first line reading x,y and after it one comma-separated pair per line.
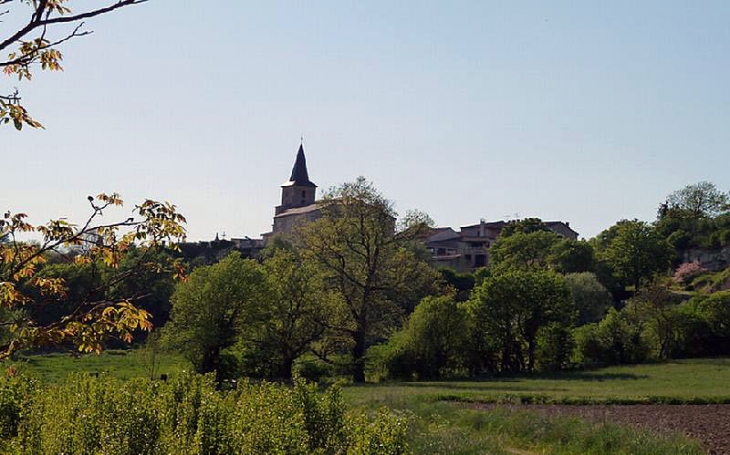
x,y
709,424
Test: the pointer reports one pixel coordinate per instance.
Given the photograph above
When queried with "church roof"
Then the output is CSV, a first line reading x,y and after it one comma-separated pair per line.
x,y
299,174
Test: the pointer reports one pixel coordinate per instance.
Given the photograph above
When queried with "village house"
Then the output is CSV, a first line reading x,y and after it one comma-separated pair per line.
x,y
468,249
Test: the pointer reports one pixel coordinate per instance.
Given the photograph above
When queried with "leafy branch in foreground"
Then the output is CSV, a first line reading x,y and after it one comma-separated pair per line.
x,y
34,44
153,225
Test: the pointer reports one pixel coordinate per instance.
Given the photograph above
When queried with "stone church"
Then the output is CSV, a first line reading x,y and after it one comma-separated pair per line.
x,y
298,205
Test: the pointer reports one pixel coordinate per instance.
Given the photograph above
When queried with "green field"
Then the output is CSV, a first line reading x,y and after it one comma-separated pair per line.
x,y
443,420
122,364
684,381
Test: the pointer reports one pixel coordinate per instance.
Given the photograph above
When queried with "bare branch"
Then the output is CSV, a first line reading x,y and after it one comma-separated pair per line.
x,y
37,20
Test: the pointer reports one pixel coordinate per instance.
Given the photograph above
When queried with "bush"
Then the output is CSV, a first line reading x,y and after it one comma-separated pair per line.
x,y
590,297
613,341
554,347
188,415
687,271
432,343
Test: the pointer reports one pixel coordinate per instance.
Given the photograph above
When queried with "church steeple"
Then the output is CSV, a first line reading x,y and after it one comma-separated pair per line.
x,y
298,191
299,174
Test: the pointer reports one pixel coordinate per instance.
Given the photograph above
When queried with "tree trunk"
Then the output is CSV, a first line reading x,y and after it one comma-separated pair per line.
x,y
358,357
211,361
285,369
531,344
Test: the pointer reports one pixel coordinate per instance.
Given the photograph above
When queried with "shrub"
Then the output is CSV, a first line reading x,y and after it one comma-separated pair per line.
x,y
432,343
188,415
615,340
687,271
554,347
590,297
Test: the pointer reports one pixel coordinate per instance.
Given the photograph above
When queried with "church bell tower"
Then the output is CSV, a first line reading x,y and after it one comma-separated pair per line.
x,y
298,191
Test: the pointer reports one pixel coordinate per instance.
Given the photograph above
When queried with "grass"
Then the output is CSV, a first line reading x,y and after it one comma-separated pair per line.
x,y
686,381
122,364
443,423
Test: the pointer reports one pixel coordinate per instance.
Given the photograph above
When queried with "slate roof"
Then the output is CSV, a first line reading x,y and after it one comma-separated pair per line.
x,y
299,174
299,210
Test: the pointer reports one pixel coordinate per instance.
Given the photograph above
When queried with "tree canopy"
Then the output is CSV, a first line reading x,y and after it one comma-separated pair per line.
x,y
699,200
366,264
89,316
213,308
634,251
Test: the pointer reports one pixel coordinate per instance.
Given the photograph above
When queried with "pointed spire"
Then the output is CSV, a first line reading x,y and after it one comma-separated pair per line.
x,y
299,174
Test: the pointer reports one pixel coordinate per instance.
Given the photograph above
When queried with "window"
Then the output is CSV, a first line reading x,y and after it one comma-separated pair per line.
x,y
304,194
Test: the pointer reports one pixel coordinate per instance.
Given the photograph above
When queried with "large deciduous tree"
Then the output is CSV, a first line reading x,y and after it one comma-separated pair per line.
x,y
700,200
366,263
88,317
513,306
634,251
42,27
292,319
213,308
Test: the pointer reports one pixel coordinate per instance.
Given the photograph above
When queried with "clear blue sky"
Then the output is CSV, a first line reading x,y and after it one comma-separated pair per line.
x,y
588,112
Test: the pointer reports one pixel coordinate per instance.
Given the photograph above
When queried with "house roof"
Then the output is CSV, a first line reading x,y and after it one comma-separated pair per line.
x,y
299,210
554,223
442,234
299,174
491,224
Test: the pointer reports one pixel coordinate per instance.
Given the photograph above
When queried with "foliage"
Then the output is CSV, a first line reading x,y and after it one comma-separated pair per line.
x,y
367,266
524,226
590,297
687,271
613,341
655,307
572,256
213,308
463,283
633,251
554,347
700,200
432,343
292,319
523,250
50,23
188,415
513,306
94,316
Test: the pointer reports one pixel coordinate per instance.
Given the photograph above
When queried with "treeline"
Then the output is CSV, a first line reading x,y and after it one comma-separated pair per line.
x,y
352,293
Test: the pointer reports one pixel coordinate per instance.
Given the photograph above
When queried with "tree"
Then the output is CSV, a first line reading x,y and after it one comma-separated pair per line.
x,y
590,297
49,24
524,250
432,342
513,306
293,317
572,256
213,308
700,200
655,306
366,263
634,251
93,316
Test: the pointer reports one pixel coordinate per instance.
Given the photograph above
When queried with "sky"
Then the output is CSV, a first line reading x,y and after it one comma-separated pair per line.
x,y
586,112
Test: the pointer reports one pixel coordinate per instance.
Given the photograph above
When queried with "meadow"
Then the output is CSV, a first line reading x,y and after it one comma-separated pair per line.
x,y
444,417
